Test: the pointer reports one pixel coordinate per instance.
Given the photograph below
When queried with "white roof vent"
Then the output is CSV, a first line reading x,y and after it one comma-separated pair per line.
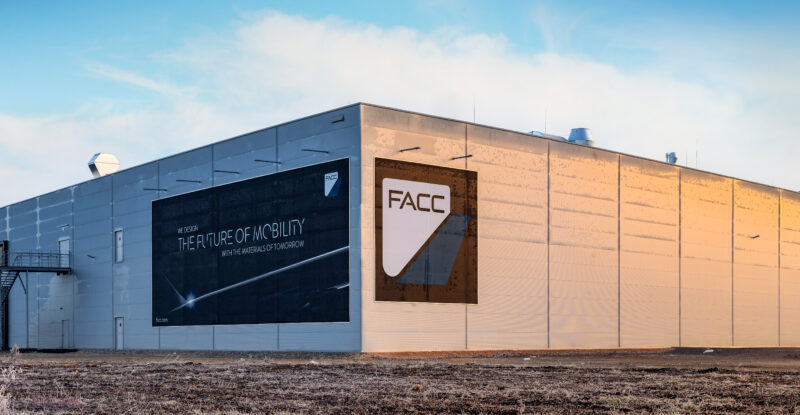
x,y
582,136
102,164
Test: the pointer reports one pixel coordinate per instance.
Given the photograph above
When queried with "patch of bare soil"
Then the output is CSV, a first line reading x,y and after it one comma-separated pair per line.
x,y
674,381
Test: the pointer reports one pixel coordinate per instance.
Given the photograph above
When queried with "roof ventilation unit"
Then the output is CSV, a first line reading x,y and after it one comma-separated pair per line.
x,y
582,136
672,158
102,164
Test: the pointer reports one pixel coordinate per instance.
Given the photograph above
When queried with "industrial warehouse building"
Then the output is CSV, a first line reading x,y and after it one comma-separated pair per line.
x,y
372,229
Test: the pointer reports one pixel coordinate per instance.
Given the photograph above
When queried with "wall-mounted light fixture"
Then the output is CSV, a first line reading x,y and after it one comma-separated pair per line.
x,y
410,149
226,171
91,256
157,189
336,119
462,157
754,236
62,226
315,151
188,181
267,161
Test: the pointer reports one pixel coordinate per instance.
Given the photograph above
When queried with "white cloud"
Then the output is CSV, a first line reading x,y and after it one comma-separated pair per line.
x,y
116,74
274,67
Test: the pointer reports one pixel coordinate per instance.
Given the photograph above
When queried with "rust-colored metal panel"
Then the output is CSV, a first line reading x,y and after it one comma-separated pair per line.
x,y
584,273
512,260
755,265
790,269
649,256
426,233
706,251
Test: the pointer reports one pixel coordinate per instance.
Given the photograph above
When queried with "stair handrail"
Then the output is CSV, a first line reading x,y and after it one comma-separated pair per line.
x,y
35,258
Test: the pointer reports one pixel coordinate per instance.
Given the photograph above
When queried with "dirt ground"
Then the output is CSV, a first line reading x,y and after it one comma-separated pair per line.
x,y
656,381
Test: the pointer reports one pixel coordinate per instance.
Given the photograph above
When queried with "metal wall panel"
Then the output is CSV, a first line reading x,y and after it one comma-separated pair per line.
x,y
239,155
334,135
755,265
131,282
789,269
512,240
23,225
584,271
23,229
649,261
390,326
55,294
55,306
706,255
91,262
102,290
18,316
182,173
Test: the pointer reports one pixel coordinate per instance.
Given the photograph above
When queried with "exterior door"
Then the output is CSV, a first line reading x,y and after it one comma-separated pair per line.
x,y
65,335
63,249
119,344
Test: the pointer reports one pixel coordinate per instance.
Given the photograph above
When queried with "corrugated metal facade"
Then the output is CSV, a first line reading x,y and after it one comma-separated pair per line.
x,y
79,310
578,247
586,248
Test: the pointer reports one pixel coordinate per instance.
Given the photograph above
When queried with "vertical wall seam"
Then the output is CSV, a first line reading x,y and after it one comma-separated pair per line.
x,y
213,327
361,161
619,250
72,242
733,273
36,275
277,168
158,195
113,268
38,226
548,244
680,256
466,306
27,312
780,201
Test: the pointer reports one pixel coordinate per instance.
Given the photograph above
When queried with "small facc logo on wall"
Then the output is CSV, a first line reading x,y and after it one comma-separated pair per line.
x,y
426,229
332,184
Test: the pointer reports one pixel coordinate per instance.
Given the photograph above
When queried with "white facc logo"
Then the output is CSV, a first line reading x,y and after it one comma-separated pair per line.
x,y
412,211
330,181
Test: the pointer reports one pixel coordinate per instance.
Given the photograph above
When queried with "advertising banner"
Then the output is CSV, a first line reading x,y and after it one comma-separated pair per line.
x,y
272,249
426,233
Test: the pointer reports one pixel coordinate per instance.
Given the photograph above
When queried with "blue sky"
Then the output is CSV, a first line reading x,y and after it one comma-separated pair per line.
x,y
146,79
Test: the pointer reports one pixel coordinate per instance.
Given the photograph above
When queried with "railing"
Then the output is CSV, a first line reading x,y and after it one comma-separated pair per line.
x,y
35,259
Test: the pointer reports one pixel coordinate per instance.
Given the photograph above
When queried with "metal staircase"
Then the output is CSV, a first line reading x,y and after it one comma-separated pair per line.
x,y
13,263
7,279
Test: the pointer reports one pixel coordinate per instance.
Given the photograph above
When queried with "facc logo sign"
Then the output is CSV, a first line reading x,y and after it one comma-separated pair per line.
x,y
426,233
332,184
412,211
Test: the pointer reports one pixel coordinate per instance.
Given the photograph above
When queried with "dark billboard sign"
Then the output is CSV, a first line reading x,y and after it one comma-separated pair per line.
x,y
272,249
426,233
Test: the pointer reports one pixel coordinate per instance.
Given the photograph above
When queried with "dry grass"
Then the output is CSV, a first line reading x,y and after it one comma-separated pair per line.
x,y
175,384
